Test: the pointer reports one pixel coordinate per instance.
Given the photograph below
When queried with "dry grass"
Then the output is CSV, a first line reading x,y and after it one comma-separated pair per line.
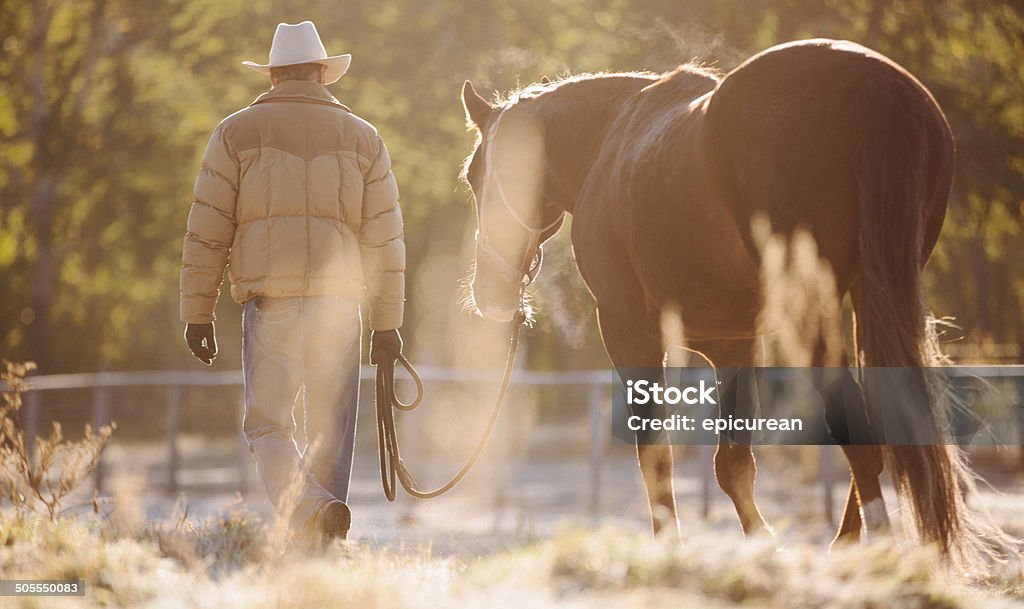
x,y
230,561
40,480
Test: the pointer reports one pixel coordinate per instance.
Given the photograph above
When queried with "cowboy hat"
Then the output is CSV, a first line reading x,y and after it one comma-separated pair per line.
x,y
300,43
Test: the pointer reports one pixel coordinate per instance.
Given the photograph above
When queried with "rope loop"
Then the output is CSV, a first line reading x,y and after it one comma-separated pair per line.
x,y
393,470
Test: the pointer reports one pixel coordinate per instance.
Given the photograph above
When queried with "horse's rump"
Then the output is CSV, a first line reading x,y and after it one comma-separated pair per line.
x,y
786,137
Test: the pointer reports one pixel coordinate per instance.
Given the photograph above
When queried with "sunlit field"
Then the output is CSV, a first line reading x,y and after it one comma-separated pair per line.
x,y
733,184
232,560
525,538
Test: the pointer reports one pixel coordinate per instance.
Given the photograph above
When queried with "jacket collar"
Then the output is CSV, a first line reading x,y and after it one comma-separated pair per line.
x,y
300,91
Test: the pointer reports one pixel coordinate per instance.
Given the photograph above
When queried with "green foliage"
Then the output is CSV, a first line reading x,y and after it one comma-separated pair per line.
x,y
105,106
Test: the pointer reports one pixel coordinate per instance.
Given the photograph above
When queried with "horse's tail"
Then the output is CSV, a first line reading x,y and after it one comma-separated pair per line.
x,y
893,326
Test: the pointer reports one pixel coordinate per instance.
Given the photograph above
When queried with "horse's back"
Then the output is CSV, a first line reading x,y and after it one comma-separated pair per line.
x,y
646,213
691,159
786,134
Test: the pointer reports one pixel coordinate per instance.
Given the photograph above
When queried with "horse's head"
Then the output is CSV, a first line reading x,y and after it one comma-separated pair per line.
x,y
507,174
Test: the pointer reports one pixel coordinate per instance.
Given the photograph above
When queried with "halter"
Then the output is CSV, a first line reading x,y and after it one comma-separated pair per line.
x,y
530,266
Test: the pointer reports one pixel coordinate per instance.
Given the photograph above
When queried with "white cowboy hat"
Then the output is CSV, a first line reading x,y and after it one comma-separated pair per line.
x,y
295,44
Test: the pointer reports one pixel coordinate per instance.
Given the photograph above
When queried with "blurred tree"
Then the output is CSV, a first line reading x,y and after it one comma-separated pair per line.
x,y
102,115
81,160
105,106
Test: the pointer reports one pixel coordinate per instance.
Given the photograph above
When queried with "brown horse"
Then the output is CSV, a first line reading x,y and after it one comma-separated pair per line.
x,y
663,175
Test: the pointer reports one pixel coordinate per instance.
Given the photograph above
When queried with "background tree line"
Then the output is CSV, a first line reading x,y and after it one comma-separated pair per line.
x,y
105,106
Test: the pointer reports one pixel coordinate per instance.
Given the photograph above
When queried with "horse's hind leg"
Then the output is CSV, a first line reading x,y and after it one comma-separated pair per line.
x,y
847,421
846,415
868,510
735,467
656,468
735,470
630,346
864,504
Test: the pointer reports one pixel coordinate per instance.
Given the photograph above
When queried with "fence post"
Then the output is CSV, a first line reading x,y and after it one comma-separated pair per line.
x,y
599,430
827,456
706,458
173,426
30,423
1019,390
100,417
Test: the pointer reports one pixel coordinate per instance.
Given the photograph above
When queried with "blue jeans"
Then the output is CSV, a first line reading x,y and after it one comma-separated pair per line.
x,y
308,348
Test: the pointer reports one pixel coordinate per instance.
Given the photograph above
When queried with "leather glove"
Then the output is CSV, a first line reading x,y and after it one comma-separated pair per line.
x,y
385,346
202,341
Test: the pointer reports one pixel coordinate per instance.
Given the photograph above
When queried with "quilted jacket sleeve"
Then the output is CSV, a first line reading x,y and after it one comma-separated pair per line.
x,y
210,231
381,243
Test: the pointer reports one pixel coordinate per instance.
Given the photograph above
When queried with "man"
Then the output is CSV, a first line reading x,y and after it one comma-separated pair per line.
x,y
296,198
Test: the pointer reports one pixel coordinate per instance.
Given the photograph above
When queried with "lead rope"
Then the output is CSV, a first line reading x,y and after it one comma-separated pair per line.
x,y
392,468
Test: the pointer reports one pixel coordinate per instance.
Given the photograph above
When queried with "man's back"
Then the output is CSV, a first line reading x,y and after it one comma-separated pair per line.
x,y
300,191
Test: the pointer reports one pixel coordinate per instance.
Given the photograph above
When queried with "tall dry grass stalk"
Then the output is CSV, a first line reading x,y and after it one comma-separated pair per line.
x,y
41,484
126,517
214,547
284,531
801,313
673,337
802,307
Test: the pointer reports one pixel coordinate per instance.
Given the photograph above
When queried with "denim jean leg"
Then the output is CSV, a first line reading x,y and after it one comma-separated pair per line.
x,y
333,332
272,362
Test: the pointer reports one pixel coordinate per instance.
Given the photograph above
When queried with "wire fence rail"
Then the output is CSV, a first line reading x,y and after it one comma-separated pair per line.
x,y
597,384
174,382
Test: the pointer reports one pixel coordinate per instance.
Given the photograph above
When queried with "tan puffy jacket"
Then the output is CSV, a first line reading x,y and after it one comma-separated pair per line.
x,y
295,197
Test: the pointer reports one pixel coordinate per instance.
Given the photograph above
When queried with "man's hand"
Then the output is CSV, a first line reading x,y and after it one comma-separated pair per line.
x,y
385,346
202,340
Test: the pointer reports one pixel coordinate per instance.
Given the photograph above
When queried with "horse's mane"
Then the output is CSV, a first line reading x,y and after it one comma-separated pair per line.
x,y
581,83
537,89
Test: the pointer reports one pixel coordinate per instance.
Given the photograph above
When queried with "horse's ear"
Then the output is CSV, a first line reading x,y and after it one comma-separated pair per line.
x,y
544,80
478,111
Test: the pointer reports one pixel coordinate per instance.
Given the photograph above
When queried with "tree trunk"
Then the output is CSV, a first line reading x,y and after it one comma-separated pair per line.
x,y
44,190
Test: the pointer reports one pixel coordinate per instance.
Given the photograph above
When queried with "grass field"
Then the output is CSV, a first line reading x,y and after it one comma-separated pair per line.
x,y
235,560
439,556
